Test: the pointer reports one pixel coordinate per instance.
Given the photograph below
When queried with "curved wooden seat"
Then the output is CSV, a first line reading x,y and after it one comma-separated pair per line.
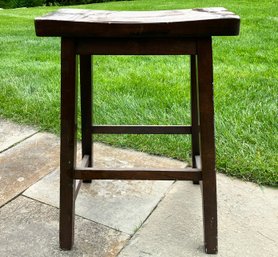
x,y
182,32
215,21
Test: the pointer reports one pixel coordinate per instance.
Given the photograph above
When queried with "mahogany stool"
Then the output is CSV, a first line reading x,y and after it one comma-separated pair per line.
x,y
175,32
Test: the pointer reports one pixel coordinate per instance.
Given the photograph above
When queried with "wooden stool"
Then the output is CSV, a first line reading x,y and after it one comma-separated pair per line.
x,y
176,32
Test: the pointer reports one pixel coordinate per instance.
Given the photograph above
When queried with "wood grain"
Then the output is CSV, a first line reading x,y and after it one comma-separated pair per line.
x,y
117,24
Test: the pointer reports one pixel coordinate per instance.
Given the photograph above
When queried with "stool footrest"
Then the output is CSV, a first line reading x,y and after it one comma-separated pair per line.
x,y
139,174
141,129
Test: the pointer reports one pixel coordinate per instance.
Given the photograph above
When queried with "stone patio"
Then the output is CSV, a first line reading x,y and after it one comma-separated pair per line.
x,y
122,218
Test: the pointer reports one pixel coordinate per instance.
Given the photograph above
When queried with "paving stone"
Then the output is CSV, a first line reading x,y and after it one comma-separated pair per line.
x,y
174,229
30,229
12,133
108,156
123,205
23,165
247,223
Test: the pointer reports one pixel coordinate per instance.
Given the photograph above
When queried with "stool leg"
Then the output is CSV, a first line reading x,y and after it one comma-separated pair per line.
x,y
86,107
195,142
205,83
68,143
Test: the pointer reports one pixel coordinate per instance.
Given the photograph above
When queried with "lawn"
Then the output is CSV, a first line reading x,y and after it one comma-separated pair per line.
x,y
155,90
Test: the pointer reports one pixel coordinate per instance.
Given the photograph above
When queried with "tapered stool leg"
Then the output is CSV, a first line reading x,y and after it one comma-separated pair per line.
x,y
86,106
206,109
195,141
68,143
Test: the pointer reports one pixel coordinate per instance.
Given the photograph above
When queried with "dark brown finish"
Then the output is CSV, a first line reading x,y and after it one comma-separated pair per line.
x,y
87,33
106,24
206,112
194,110
138,46
131,129
138,174
68,142
86,106
195,141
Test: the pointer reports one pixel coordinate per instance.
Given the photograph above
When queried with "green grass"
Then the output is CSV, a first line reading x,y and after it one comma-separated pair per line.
x,y
155,90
